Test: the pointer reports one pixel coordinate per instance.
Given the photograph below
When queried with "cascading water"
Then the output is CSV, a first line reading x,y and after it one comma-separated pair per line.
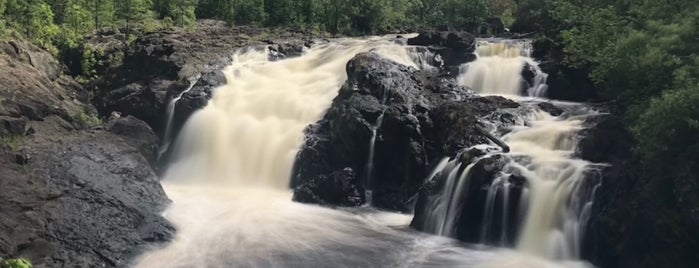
x,y
545,215
498,66
167,137
232,161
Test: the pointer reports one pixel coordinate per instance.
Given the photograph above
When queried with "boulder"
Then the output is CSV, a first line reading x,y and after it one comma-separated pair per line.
x,y
455,48
382,96
414,118
455,122
137,133
338,188
488,176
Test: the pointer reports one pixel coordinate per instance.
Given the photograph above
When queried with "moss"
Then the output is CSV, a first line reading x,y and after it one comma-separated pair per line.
x,y
14,141
83,120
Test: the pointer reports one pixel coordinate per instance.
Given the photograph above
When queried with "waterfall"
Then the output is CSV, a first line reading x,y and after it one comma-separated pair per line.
x,y
547,214
498,66
232,160
170,114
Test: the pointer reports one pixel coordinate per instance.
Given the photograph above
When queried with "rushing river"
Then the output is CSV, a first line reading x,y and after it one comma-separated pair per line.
x,y
233,159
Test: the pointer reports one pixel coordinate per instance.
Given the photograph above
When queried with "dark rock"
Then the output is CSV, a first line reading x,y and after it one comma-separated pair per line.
x,y
487,176
380,94
455,48
644,214
413,114
159,66
494,26
454,122
35,87
337,188
11,126
288,49
22,158
454,40
194,99
70,198
528,75
137,133
550,108
568,84
87,199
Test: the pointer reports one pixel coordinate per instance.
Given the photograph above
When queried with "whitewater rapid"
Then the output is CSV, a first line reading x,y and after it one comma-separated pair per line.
x,y
231,167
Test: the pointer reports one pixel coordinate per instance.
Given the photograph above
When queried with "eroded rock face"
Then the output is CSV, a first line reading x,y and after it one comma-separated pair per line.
x,y
71,193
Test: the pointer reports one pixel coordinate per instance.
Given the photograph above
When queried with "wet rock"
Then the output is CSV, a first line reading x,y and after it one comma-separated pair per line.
x,y
159,66
568,84
454,122
137,133
196,98
455,40
337,188
455,48
413,115
69,197
288,49
86,199
379,94
550,108
489,176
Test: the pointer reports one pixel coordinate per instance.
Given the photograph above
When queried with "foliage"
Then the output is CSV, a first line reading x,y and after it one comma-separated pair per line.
x,y
15,263
60,25
670,125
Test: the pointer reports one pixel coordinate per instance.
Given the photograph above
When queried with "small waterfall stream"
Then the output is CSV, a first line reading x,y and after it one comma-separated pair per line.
x,y
170,114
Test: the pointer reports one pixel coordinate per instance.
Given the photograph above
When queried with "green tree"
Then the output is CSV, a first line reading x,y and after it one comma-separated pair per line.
x,y
249,11
216,9
182,12
33,19
130,11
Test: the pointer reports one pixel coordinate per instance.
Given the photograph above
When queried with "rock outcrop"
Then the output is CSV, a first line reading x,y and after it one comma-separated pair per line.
x,y
73,192
390,124
157,67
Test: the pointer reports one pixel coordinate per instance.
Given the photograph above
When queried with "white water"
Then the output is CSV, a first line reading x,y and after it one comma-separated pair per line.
x,y
231,205
555,206
167,137
497,67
